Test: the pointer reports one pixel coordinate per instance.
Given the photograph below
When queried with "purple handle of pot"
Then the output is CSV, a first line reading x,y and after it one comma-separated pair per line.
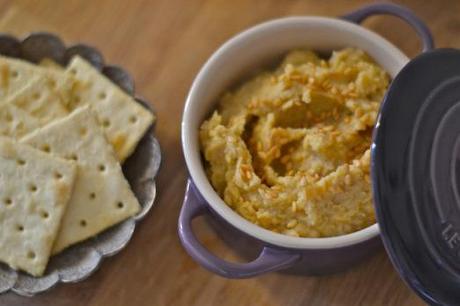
x,y
399,11
270,259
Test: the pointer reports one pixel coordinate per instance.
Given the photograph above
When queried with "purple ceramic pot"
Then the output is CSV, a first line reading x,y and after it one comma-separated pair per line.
x,y
254,48
269,257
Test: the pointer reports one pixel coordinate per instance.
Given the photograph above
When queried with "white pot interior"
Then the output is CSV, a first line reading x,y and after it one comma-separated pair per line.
x,y
244,55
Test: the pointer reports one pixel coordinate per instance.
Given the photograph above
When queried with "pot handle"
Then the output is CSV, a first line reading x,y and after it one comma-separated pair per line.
x,y
399,11
270,259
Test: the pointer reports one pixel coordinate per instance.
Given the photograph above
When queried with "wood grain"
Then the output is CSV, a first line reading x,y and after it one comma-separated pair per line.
x,y
163,43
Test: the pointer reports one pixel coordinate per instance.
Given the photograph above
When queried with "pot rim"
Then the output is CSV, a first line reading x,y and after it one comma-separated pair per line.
x,y
193,158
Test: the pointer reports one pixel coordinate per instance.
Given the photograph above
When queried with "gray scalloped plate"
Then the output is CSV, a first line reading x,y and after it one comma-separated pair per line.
x,y
81,260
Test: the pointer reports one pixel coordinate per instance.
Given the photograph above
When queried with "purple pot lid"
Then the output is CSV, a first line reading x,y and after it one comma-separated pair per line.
x,y
416,175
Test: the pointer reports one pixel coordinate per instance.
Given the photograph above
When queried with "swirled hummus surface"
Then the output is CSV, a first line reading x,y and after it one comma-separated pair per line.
x,y
289,149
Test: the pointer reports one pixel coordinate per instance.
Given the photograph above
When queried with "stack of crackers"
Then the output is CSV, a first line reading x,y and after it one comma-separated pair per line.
x,y
64,133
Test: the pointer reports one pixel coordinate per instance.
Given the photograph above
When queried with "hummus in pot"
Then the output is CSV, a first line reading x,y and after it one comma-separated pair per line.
x,y
289,149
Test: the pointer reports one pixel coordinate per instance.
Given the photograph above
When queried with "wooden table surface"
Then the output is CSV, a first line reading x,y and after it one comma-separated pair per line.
x,y
163,43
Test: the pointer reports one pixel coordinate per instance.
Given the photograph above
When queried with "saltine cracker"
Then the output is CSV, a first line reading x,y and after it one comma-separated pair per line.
x,y
15,122
34,190
16,73
102,197
123,119
40,99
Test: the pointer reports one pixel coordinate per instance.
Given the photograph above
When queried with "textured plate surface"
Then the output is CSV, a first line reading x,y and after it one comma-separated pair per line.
x,y
140,169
